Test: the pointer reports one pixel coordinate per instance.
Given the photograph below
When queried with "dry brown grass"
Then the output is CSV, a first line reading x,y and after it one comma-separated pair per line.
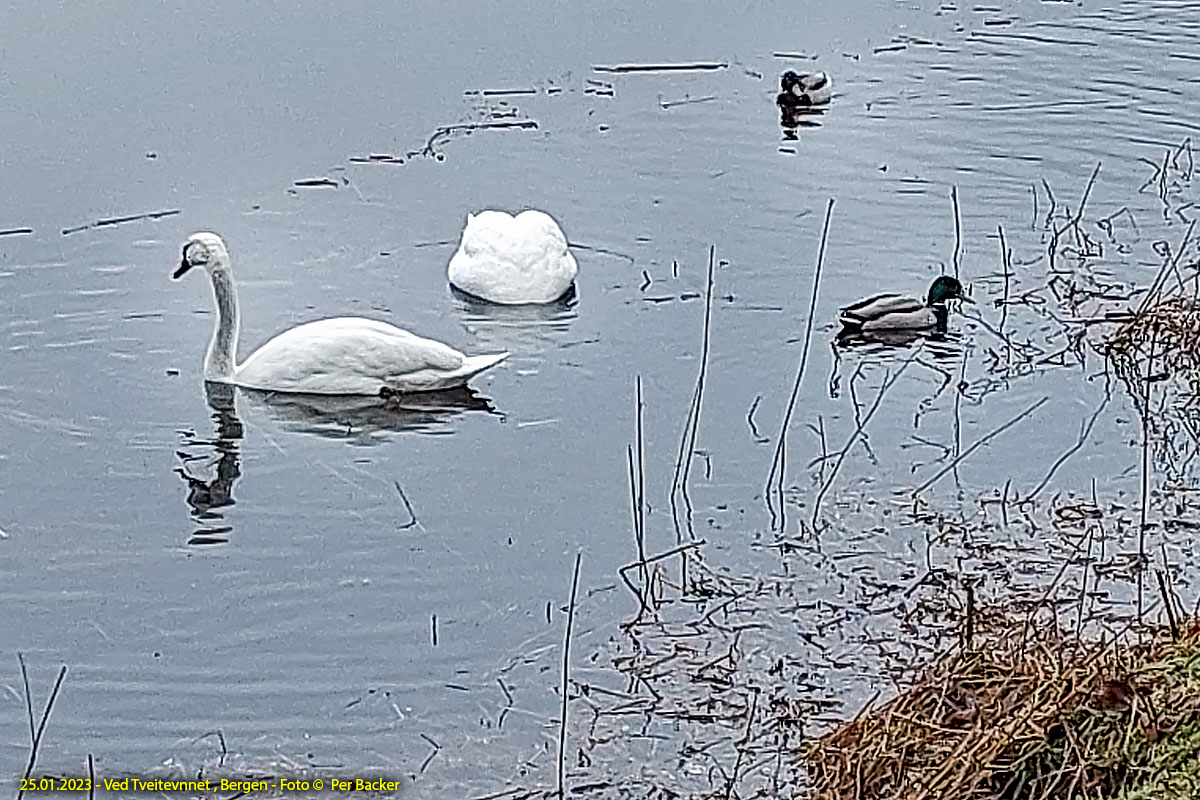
x,y
1025,713
1163,340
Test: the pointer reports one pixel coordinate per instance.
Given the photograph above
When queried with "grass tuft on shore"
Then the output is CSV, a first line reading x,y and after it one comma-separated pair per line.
x,y
1026,713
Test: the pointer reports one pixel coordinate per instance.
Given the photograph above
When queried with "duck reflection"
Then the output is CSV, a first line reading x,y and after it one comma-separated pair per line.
x,y
791,118
802,101
943,347
941,344
211,467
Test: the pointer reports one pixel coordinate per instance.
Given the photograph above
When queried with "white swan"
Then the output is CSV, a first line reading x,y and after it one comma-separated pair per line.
x,y
343,355
513,260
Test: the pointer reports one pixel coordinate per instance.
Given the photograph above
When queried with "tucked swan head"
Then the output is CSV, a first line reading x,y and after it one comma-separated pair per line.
x,y
513,260
205,250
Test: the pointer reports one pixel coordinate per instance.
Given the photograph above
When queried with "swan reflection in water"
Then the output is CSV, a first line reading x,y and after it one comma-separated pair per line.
x,y
519,329
209,497
357,420
366,420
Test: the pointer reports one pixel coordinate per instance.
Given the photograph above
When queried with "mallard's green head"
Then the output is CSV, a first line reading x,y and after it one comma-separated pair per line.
x,y
946,288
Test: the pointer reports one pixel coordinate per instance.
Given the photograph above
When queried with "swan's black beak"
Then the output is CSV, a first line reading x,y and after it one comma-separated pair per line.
x,y
184,266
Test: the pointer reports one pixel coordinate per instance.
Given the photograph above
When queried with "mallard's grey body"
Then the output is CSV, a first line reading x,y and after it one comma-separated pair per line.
x,y
897,312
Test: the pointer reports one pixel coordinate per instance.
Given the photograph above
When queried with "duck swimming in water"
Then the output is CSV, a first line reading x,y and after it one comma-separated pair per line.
x,y
896,312
804,91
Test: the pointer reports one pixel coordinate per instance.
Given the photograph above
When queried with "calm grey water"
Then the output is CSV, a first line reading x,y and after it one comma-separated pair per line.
x,y
248,565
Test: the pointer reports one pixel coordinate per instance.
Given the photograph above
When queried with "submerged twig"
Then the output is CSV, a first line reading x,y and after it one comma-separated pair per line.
x,y
979,443
1085,430
110,221
444,132
437,748
1074,220
758,437
412,518
695,66
887,384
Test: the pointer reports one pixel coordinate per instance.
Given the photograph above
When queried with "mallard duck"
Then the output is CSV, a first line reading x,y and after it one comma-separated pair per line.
x,y
513,260
897,312
804,91
343,355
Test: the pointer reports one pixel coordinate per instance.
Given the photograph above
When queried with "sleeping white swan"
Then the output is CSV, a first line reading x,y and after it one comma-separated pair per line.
x,y
343,355
513,260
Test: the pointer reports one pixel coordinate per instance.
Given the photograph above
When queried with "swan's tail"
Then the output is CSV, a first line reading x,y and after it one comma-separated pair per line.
x,y
473,365
430,380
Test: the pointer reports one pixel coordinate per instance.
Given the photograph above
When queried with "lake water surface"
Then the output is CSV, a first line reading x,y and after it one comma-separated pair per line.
x,y
342,586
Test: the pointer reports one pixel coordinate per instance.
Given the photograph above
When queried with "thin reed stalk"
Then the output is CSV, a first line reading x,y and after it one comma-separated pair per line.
x,y
566,680
774,488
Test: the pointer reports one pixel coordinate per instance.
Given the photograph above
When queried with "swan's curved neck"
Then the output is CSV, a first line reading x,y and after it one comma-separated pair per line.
x,y
221,362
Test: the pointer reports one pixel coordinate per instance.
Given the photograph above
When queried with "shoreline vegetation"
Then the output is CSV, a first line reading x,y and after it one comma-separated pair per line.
x,y
1022,709
1027,711
1086,686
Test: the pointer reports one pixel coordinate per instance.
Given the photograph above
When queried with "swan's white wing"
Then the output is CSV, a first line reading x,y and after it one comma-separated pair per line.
x,y
430,380
345,355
